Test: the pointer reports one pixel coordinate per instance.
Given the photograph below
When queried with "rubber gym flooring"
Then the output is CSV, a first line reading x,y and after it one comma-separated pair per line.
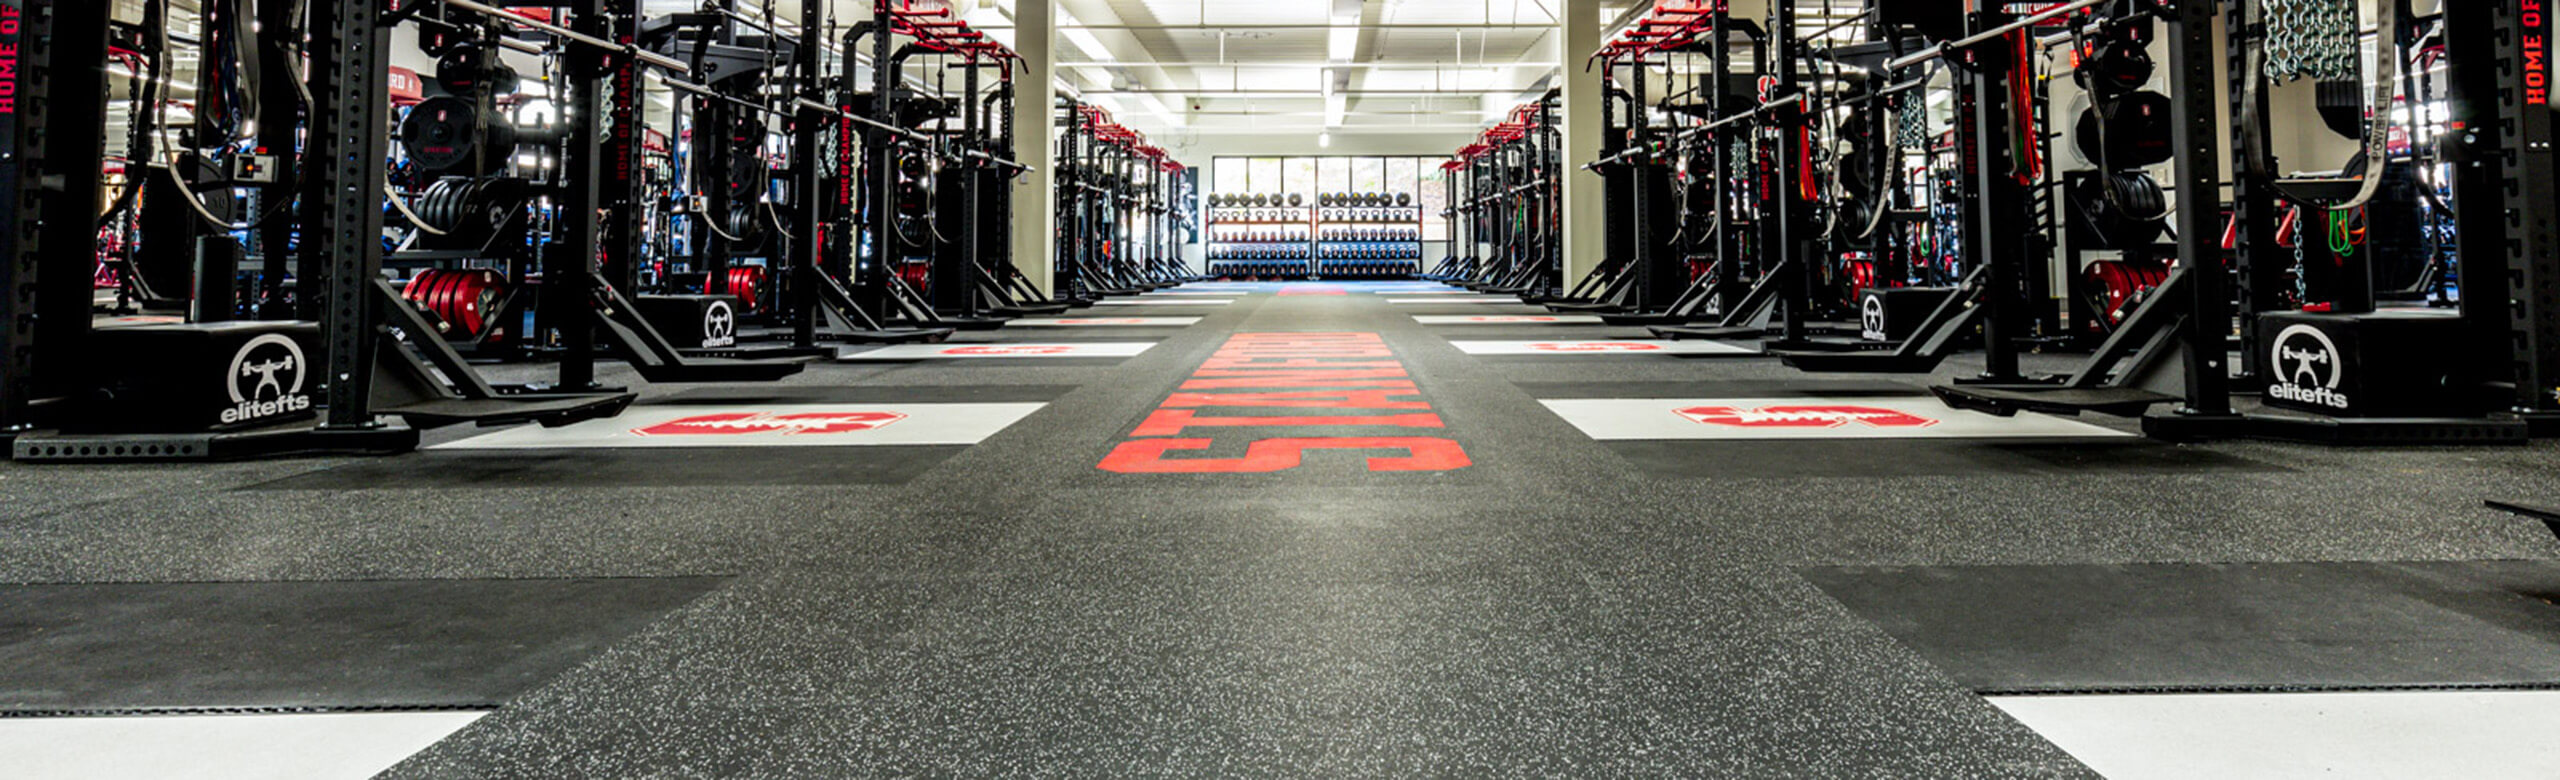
x,y
1731,597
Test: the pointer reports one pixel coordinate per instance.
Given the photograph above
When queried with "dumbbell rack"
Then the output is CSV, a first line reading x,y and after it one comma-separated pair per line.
x,y
1225,222
1400,258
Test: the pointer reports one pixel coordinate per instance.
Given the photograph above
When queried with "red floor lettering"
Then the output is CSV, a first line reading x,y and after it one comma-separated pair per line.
x,y
1374,373
1170,422
1330,354
1333,399
1228,384
1268,455
1229,362
1331,364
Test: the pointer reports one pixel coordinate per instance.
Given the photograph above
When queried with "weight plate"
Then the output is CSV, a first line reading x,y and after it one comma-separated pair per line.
x,y
440,297
416,289
438,291
2136,128
2117,67
461,69
432,205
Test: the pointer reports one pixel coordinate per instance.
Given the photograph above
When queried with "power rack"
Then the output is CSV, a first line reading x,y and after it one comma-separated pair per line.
x,y
1122,208
812,191
1512,202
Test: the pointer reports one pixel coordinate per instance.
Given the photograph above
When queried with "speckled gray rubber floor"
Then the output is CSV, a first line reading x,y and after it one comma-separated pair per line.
x,y
1554,609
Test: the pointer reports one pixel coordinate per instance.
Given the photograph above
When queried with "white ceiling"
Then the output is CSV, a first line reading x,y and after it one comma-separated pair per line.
x,y
1224,66
1263,67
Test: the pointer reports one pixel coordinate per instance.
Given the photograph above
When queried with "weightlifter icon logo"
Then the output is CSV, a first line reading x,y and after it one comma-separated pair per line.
x,y
2308,368
719,325
266,379
1871,318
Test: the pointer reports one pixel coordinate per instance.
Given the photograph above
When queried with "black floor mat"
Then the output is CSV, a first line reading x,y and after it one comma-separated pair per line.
x,y
408,644
607,468
1773,459
2219,627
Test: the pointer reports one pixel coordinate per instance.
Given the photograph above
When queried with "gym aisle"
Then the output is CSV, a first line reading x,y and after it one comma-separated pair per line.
x,y
1534,601
2138,389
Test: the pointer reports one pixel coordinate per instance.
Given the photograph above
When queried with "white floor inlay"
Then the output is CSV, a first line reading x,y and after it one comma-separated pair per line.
x,y
1079,322
929,351
2472,735
1506,319
1191,301
779,425
325,746
1600,348
1919,417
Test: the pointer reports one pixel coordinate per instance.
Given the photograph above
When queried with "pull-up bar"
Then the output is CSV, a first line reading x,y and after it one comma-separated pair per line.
x,y
1986,36
664,62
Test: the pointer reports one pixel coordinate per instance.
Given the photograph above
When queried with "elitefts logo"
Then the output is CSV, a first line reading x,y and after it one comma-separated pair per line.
x,y
719,325
1871,319
266,379
2307,368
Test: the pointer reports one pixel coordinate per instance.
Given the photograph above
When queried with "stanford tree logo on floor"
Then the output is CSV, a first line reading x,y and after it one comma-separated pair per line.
x,y
746,423
1803,417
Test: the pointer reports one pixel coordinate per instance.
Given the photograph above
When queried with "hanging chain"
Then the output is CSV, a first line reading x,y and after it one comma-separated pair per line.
x,y
1914,116
2314,39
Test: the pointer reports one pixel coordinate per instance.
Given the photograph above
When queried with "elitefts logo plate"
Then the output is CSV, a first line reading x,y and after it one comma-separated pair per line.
x,y
266,379
2308,368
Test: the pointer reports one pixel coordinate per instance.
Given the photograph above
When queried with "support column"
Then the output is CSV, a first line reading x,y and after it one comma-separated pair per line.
x,y
1035,205
342,203
1585,231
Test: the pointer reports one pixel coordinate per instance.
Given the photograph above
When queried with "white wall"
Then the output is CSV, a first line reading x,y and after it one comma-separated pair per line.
x,y
1198,148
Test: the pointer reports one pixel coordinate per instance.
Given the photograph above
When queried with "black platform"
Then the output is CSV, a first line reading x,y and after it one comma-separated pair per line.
x,y
1642,319
2010,400
551,410
1734,333
721,370
1858,362
301,646
304,438
2219,627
